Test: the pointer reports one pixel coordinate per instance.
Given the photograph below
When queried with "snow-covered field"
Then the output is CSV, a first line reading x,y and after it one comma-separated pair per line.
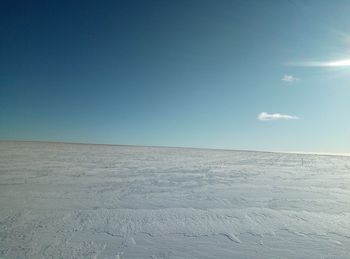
x,y
99,201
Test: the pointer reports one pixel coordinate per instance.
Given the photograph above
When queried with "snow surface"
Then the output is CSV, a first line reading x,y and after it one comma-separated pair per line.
x,y
100,201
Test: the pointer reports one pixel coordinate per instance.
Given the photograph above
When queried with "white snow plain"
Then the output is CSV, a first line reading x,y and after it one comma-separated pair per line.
x,y
100,201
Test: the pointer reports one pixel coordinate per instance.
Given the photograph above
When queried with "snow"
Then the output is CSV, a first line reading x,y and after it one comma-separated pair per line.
x,y
103,201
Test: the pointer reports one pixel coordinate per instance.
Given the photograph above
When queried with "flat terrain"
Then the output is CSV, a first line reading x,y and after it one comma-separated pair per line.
x,y
98,201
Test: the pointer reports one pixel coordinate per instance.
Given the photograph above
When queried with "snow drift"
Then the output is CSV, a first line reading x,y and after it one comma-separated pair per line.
x,y
100,201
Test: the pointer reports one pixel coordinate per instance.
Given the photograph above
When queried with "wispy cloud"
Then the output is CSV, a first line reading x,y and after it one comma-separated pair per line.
x,y
289,78
345,37
264,116
329,63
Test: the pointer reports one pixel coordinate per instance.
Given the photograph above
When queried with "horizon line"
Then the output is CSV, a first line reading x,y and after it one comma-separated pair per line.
x,y
183,147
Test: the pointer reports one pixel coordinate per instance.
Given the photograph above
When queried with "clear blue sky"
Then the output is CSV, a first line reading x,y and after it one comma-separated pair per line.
x,y
177,73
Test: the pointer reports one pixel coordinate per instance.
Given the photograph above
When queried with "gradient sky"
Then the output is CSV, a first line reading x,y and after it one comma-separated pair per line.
x,y
261,75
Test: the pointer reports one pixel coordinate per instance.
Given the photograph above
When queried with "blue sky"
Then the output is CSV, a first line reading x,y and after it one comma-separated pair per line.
x,y
261,75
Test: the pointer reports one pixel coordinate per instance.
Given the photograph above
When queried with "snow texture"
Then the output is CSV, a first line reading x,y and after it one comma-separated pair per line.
x,y
100,201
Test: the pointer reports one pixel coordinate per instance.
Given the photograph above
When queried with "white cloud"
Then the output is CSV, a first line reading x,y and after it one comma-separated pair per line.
x,y
264,116
329,63
289,78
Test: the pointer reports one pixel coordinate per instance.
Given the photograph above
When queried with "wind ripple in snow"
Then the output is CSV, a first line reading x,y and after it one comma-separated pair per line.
x,y
93,201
